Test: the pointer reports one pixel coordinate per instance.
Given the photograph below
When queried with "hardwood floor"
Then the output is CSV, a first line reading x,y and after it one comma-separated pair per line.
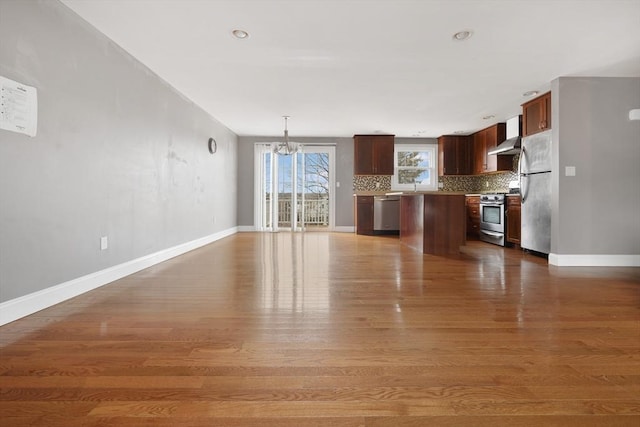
x,y
330,329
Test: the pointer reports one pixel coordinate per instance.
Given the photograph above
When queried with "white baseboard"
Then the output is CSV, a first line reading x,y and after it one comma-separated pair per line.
x,y
340,229
28,304
345,229
594,260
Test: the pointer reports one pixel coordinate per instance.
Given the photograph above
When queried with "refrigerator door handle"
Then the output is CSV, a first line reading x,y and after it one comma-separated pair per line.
x,y
523,189
523,158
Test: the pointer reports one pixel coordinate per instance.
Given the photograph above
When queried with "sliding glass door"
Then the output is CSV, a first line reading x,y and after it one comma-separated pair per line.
x,y
296,191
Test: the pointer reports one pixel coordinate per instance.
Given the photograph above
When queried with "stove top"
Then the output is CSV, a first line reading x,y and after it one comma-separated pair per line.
x,y
511,191
494,198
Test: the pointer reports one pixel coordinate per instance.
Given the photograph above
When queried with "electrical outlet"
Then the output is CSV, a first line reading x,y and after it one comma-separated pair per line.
x,y
104,243
214,219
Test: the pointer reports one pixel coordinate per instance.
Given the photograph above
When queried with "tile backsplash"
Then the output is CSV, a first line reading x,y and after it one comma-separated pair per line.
x,y
493,182
497,182
371,183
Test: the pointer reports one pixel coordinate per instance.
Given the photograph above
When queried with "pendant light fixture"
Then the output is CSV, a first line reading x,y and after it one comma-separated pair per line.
x,y
285,147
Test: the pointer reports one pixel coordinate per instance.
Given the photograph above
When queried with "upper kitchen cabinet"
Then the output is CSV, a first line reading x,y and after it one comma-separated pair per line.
x,y
373,154
485,140
479,153
455,155
536,115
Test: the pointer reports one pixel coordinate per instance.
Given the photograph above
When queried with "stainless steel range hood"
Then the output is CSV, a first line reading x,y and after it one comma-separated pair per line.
x,y
510,146
512,143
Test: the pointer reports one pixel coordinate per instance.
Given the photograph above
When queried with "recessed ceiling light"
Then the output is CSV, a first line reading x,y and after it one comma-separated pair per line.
x,y
462,35
459,132
240,34
490,116
530,93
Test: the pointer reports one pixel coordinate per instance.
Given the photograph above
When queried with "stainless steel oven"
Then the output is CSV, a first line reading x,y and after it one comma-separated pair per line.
x,y
492,218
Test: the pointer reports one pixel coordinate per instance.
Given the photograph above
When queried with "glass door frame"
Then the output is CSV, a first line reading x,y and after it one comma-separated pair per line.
x,y
266,217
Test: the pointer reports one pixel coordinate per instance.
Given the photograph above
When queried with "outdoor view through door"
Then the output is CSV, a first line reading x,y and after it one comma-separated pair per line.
x,y
294,191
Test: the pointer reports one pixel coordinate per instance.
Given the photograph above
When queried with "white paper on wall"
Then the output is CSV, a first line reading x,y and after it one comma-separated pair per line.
x,y
18,107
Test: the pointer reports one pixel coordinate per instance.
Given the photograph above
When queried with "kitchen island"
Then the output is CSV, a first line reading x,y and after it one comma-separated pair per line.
x,y
433,222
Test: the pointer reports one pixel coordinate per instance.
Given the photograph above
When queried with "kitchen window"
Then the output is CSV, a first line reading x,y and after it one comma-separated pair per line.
x,y
415,167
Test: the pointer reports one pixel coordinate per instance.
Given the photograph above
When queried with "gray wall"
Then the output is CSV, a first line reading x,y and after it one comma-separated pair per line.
x,y
344,175
598,210
118,153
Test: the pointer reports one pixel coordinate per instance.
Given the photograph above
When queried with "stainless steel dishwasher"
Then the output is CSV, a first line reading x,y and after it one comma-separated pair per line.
x,y
386,213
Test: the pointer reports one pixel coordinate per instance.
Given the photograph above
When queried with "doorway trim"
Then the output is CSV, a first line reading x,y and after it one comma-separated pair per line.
x,y
260,210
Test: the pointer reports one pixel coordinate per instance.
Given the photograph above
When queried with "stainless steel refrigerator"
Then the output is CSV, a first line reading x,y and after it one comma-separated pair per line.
x,y
535,189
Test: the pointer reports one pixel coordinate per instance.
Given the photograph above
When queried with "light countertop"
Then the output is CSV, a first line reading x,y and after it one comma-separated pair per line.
x,y
407,193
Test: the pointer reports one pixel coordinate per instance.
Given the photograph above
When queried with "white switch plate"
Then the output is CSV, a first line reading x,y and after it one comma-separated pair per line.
x,y
569,171
104,243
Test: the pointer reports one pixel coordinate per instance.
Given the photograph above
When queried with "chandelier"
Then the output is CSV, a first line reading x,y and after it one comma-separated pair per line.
x,y
285,147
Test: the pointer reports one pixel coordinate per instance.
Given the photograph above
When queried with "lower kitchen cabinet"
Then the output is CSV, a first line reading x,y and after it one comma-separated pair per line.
x,y
364,215
513,219
473,217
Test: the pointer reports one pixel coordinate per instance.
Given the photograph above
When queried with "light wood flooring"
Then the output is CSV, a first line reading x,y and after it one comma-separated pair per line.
x,y
333,329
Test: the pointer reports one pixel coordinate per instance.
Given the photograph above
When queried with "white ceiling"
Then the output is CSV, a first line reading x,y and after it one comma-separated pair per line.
x,y
340,67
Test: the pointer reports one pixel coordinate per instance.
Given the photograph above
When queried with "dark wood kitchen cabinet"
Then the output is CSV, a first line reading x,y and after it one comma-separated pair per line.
x,y
373,154
433,223
513,219
479,153
455,155
485,140
473,217
364,215
536,115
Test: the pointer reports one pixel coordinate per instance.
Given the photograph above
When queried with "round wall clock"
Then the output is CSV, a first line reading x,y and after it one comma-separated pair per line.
x,y
213,145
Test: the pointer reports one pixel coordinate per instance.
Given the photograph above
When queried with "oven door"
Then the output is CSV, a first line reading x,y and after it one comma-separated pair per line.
x,y
492,217
492,237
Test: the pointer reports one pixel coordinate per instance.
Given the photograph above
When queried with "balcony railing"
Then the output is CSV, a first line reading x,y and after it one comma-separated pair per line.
x,y
316,210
